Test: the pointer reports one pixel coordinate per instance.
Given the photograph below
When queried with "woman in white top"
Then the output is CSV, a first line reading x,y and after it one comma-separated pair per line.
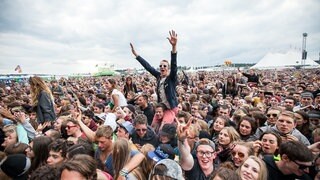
x,y
117,98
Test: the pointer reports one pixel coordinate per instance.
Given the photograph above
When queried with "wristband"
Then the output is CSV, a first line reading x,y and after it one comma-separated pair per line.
x,y
124,172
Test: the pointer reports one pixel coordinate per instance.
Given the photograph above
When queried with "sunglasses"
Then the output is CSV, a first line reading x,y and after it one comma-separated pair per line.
x,y
143,130
69,127
240,154
273,115
301,166
162,66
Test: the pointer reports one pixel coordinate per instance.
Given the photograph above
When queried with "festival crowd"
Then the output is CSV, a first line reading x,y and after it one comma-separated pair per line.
x,y
163,124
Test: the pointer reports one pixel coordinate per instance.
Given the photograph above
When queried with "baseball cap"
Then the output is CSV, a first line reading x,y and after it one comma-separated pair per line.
x,y
163,151
306,94
16,166
172,170
127,126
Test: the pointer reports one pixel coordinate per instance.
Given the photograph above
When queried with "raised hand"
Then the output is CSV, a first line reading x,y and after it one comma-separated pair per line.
x,y
133,51
173,38
183,130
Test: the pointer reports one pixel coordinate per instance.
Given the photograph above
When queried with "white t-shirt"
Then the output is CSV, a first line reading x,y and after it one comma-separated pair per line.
x,y
110,120
122,99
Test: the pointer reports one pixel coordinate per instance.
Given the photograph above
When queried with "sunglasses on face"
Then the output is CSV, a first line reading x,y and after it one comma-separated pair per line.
x,y
301,166
160,66
141,130
273,115
69,127
240,154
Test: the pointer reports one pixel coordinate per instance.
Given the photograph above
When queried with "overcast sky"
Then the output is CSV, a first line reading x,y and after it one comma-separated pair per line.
x,y
61,37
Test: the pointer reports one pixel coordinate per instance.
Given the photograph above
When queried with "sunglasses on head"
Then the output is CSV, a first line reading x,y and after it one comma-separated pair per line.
x,y
162,65
273,115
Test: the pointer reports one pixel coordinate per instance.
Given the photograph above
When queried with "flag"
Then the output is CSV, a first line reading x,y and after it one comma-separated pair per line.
x,y
18,68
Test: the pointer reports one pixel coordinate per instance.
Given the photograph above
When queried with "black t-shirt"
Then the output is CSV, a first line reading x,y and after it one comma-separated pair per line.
x,y
149,112
196,173
274,172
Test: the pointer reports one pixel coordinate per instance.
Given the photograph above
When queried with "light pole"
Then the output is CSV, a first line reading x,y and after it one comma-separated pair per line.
x,y
304,51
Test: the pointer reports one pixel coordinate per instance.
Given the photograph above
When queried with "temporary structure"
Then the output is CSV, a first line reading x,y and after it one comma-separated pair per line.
x,y
279,60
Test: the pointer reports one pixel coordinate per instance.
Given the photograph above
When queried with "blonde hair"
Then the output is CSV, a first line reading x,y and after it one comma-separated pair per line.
x,y
263,173
203,125
36,86
233,134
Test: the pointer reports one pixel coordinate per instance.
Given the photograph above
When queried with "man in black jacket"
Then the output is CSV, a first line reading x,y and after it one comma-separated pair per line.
x,y
295,161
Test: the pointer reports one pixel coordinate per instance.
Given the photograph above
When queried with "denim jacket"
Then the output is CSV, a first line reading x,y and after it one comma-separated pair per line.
x,y
170,82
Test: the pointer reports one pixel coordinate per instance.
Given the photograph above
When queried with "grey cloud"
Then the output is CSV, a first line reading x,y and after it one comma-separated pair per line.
x,y
71,36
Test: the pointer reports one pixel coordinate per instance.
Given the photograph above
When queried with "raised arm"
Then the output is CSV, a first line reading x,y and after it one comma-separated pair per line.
x,y
186,159
133,50
173,39
87,131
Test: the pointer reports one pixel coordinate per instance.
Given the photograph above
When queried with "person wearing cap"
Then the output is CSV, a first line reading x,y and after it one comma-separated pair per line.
x,y
125,130
18,171
306,102
202,166
167,169
314,118
166,81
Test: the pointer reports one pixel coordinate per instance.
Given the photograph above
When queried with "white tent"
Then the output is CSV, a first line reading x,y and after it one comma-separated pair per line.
x,y
278,60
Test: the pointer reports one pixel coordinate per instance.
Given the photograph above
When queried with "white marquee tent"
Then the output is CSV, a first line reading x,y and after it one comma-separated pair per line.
x,y
279,60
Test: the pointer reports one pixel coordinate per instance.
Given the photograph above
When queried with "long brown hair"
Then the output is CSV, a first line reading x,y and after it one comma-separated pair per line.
x,y
120,157
36,86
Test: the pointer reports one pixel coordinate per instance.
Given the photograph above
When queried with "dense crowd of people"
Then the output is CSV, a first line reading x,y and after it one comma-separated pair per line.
x,y
163,124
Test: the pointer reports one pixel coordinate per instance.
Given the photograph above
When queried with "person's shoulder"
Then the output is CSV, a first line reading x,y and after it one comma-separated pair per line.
x,y
264,128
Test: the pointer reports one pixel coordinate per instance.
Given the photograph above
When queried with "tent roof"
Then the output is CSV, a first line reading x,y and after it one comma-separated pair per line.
x,y
289,59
